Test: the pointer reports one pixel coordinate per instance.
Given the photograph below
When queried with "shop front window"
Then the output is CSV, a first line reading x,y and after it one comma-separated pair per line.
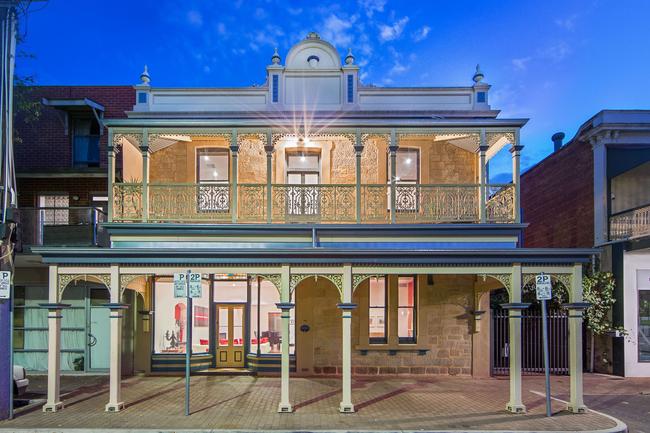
x,y
406,309
643,284
266,320
171,327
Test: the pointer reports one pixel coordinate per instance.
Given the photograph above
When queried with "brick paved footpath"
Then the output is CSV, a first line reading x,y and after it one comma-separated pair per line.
x,y
250,403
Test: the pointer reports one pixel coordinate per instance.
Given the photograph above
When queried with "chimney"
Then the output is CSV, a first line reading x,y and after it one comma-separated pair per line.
x,y
557,141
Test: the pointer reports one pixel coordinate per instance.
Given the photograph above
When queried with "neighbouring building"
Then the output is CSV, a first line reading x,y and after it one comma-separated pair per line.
x,y
595,192
338,228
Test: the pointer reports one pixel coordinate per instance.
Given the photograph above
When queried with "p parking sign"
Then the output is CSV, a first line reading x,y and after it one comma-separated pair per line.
x,y
543,287
180,285
5,284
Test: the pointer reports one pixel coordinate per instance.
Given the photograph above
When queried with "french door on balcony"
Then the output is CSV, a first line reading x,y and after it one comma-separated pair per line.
x,y
303,171
213,174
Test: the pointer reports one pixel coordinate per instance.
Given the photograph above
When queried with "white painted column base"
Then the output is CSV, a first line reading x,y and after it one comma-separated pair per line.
x,y
346,408
285,408
516,408
53,407
114,407
577,409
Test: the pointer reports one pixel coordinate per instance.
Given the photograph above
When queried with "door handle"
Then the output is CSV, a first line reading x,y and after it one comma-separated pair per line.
x,y
92,340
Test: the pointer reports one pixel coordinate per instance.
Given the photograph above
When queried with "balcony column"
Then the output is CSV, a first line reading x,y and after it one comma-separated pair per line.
x,y
482,181
269,175
234,150
358,150
54,316
575,309
515,308
144,149
285,305
515,150
115,403
111,174
392,149
346,307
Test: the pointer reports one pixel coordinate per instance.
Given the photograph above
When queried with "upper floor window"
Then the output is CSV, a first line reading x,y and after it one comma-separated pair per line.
x,y
54,209
212,165
85,142
407,172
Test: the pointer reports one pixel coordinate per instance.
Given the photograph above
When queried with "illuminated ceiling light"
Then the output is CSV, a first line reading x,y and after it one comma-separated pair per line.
x,y
303,158
206,158
409,160
215,173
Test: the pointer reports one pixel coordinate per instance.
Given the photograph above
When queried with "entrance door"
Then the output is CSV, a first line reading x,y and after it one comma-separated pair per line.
x,y
99,330
230,335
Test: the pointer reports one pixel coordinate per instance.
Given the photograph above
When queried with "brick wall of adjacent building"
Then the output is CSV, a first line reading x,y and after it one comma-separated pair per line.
x,y
75,187
557,197
43,146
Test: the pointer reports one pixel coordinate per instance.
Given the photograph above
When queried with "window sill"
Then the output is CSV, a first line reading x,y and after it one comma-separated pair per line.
x,y
392,349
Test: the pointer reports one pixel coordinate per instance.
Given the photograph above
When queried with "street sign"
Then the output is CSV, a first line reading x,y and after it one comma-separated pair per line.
x,y
543,291
5,284
196,287
180,285
543,287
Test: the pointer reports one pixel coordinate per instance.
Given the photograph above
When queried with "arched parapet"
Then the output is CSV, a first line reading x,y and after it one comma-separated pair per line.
x,y
64,281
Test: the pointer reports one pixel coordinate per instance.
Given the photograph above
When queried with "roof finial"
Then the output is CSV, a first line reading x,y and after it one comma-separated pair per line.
x,y
312,35
478,75
144,77
275,58
349,59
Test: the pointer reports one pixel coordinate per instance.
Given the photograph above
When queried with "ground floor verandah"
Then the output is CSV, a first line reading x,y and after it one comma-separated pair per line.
x,y
397,403
350,344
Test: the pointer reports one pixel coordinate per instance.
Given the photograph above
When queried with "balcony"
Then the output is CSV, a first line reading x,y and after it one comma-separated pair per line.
x,y
65,226
319,203
630,224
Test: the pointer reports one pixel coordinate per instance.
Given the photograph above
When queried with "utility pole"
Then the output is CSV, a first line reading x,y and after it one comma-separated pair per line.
x,y
8,196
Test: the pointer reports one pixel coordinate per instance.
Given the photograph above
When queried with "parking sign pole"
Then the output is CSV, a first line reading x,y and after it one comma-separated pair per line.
x,y
188,343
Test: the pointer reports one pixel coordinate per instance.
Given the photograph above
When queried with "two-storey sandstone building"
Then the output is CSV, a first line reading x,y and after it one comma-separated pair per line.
x,y
339,229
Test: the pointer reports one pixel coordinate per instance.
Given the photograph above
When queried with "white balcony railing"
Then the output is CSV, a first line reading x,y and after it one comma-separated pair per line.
x,y
630,224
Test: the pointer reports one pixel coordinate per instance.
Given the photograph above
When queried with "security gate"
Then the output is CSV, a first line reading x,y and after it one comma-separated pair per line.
x,y
532,355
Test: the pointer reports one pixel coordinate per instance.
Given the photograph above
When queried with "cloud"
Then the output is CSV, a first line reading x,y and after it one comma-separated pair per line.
x,y
372,6
556,52
391,32
568,23
195,18
521,64
336,30
421,34
398,68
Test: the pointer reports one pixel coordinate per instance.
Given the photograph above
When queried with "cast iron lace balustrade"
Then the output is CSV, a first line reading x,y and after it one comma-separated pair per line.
x,y
322,203
189,202
630,224
500,204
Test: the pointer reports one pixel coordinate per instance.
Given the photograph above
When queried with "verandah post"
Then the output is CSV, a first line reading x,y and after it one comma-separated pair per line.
x,y
482,181
358,150
285,306
346,306
392,149
234,150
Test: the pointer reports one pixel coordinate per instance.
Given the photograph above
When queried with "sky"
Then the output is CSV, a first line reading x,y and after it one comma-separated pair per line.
x,y
555,62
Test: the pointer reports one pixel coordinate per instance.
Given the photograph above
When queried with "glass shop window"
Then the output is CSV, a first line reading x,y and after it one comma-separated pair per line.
x,y
85,142
377,313
266,320
406,305
643,336
170,332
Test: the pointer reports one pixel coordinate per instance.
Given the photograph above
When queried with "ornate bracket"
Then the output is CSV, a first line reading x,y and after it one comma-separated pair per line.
x,y
295,279
357,279
275,279
65,279
126,279
505,279
133,137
